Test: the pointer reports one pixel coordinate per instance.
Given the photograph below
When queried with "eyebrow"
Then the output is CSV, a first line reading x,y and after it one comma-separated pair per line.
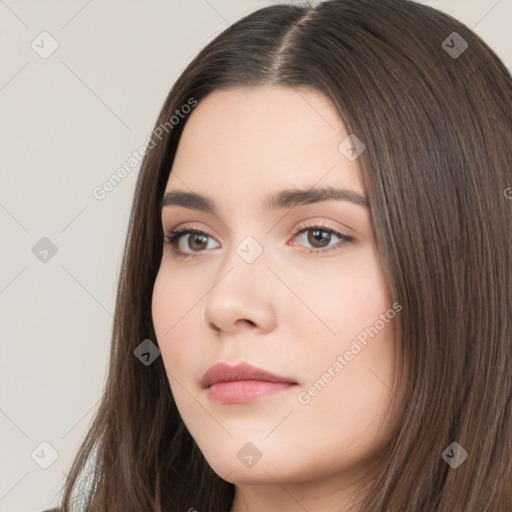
x,y
279,200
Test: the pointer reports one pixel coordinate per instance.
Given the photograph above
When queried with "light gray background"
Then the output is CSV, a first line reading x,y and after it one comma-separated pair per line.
x,y
68,122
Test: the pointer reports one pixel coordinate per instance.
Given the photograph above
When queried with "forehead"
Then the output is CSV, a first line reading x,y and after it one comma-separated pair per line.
x,y
262,138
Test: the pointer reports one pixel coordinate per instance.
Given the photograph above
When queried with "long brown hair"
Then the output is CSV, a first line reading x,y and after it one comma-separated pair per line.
x,y
434,110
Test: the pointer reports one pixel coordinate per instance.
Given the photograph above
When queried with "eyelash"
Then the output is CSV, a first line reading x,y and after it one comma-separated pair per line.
x,y
176,234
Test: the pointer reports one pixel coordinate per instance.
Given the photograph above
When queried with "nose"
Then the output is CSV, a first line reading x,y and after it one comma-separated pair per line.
x,y
243,296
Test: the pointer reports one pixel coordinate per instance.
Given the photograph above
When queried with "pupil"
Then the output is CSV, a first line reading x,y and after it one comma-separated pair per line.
x,y
320,235
196,238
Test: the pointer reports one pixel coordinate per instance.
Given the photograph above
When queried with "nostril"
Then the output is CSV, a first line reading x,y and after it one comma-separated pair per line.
x,y
214,327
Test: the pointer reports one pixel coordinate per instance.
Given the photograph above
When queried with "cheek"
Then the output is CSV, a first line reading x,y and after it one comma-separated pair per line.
x,y
162,306
350,346
338,300
171,311
176,327
174,296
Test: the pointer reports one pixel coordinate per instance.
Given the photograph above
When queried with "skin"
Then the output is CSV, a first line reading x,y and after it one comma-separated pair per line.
x,y
289,312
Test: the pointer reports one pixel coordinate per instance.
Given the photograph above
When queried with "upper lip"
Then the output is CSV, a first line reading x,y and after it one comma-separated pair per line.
x,y
223,372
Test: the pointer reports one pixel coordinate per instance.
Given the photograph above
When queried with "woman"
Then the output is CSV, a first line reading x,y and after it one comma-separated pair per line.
x,y
314,305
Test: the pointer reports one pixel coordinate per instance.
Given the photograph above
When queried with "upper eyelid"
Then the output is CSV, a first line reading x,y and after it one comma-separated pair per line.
x,y
301,227
358,227
313,221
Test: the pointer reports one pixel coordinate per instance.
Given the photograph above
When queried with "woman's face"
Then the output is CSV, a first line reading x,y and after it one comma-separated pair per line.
x,y
271,287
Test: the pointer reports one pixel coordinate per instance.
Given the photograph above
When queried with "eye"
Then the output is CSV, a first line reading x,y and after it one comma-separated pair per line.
x,y
196,240
320,236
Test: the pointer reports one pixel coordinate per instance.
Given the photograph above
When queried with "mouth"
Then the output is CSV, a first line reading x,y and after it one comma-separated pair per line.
x,y
243,383
245,391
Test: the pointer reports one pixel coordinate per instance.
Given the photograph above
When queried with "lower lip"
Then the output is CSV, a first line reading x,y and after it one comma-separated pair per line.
x,y
245,391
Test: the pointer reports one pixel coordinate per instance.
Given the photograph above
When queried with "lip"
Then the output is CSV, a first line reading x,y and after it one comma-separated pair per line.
x,y
242,383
